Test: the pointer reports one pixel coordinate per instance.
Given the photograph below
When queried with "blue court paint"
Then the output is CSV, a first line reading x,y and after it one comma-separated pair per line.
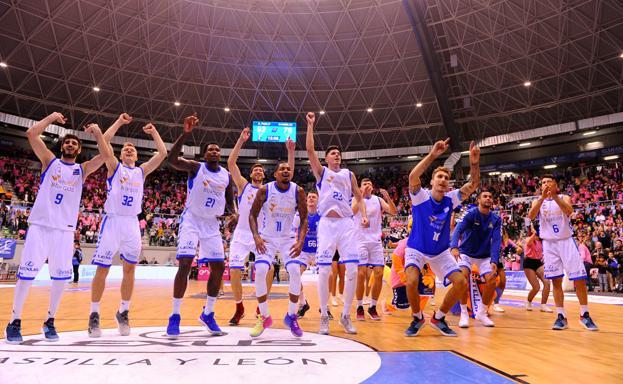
x,y
432,367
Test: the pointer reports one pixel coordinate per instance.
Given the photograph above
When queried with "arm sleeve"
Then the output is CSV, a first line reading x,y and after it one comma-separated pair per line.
x,y
458,231
419,197
496,242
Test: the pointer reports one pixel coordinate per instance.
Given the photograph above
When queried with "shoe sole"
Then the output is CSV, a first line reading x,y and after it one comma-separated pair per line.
x,y
323,332
362,318
95,334
434,326
348,331
555,328
463,326
377,318
213,333
119,328
416,333
587,328
12,342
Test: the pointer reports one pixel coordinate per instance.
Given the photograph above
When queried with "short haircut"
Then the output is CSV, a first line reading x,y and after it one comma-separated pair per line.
x,y
332,147
70,136
484,191
365,179
279,163
313,191
442,169
257,165
205,147
128,144
548,176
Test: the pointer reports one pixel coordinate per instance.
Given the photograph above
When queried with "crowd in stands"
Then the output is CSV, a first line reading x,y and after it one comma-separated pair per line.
x,y
596,193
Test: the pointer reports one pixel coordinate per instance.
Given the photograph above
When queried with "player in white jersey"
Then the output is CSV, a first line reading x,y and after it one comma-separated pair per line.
x,y
120,231
242,239
279,201
336,229
52,221
210,194
560,252
371,251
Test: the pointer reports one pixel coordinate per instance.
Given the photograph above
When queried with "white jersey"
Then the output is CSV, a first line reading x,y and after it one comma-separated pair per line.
x,y
59,196
374,210
335,192
245,202
279,209
125,191
206,192
555,225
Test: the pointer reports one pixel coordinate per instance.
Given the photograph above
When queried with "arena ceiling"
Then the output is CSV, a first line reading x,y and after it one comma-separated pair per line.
x,y
277,59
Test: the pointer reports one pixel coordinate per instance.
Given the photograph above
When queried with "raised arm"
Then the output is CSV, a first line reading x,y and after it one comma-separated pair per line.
x,y
175,160
359,199
314,162
161,150
260,198
387,203
302,232
105,150
536,204
414,176
233,158
123,119
33,133
474,171
290,146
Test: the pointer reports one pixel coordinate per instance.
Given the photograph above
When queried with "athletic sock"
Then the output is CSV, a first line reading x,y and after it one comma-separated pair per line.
x,y
373,302
124,306
463,308
264,309
19,297
561,311
209,308
177,305
95,307
56,293
439,315
583,309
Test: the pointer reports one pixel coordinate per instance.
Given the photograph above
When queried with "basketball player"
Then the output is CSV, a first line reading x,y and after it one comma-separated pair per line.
x,y
560,252
242,239
52,221
120,231
308,252
371,251
480,234
336,228
429,240
210,194
279,200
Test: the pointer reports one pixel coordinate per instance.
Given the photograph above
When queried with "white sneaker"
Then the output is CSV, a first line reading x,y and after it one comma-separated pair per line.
x,y
334,301
545,308
324,325
348,325
528,306
366,300
484,319
464,320
497,308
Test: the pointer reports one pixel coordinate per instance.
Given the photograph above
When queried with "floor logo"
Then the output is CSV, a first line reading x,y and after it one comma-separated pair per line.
x,y
148,356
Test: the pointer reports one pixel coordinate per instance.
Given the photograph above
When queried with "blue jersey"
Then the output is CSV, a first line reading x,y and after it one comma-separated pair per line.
x,y
311,239
430,233
480,235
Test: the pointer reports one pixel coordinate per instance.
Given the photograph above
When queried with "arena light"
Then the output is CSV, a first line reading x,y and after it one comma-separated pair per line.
x,y
3,64
525,144
177,103
362,160
262,161
413,157
611,157
465,153
621,56
369,110
226,109
96,89
419,105
527,83
494,173
551,166
322,112
589,133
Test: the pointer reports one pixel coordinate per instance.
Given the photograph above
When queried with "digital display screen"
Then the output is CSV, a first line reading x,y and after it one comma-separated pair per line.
x,y
273,131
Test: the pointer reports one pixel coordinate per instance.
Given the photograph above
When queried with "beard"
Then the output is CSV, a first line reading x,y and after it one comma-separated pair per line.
x,y
67,155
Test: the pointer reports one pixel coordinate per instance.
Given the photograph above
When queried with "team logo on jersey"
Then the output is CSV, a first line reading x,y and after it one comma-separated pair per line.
x,y
330,178
490,225
432,218
271,207
56,176
206,182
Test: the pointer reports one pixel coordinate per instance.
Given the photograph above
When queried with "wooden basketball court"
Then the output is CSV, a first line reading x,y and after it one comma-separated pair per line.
x,y
521,348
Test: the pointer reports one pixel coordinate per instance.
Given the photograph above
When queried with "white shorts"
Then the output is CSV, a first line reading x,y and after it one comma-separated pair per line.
x,y
203,232
274,245
307,258
560,256
241,245
337,233
55,245
484,265
371,254
118,234
443,264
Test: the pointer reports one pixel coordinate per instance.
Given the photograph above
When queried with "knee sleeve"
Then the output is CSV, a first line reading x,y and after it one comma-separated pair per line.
x,y
261,270
295,278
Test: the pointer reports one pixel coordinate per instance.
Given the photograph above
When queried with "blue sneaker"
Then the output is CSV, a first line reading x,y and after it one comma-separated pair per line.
x,y
173,329
560,323
588,323
291,321
49,330
415,327
442,326
13,332
210,323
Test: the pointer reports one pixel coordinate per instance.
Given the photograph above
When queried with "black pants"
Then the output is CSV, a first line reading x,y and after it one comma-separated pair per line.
x,y
277,267
76,273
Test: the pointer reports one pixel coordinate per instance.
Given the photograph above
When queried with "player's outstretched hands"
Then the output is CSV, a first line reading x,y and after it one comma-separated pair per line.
x,y
190,123
440,147
149,129
474,153
311,118
290,145
92,128
124,118
245,134
57,117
